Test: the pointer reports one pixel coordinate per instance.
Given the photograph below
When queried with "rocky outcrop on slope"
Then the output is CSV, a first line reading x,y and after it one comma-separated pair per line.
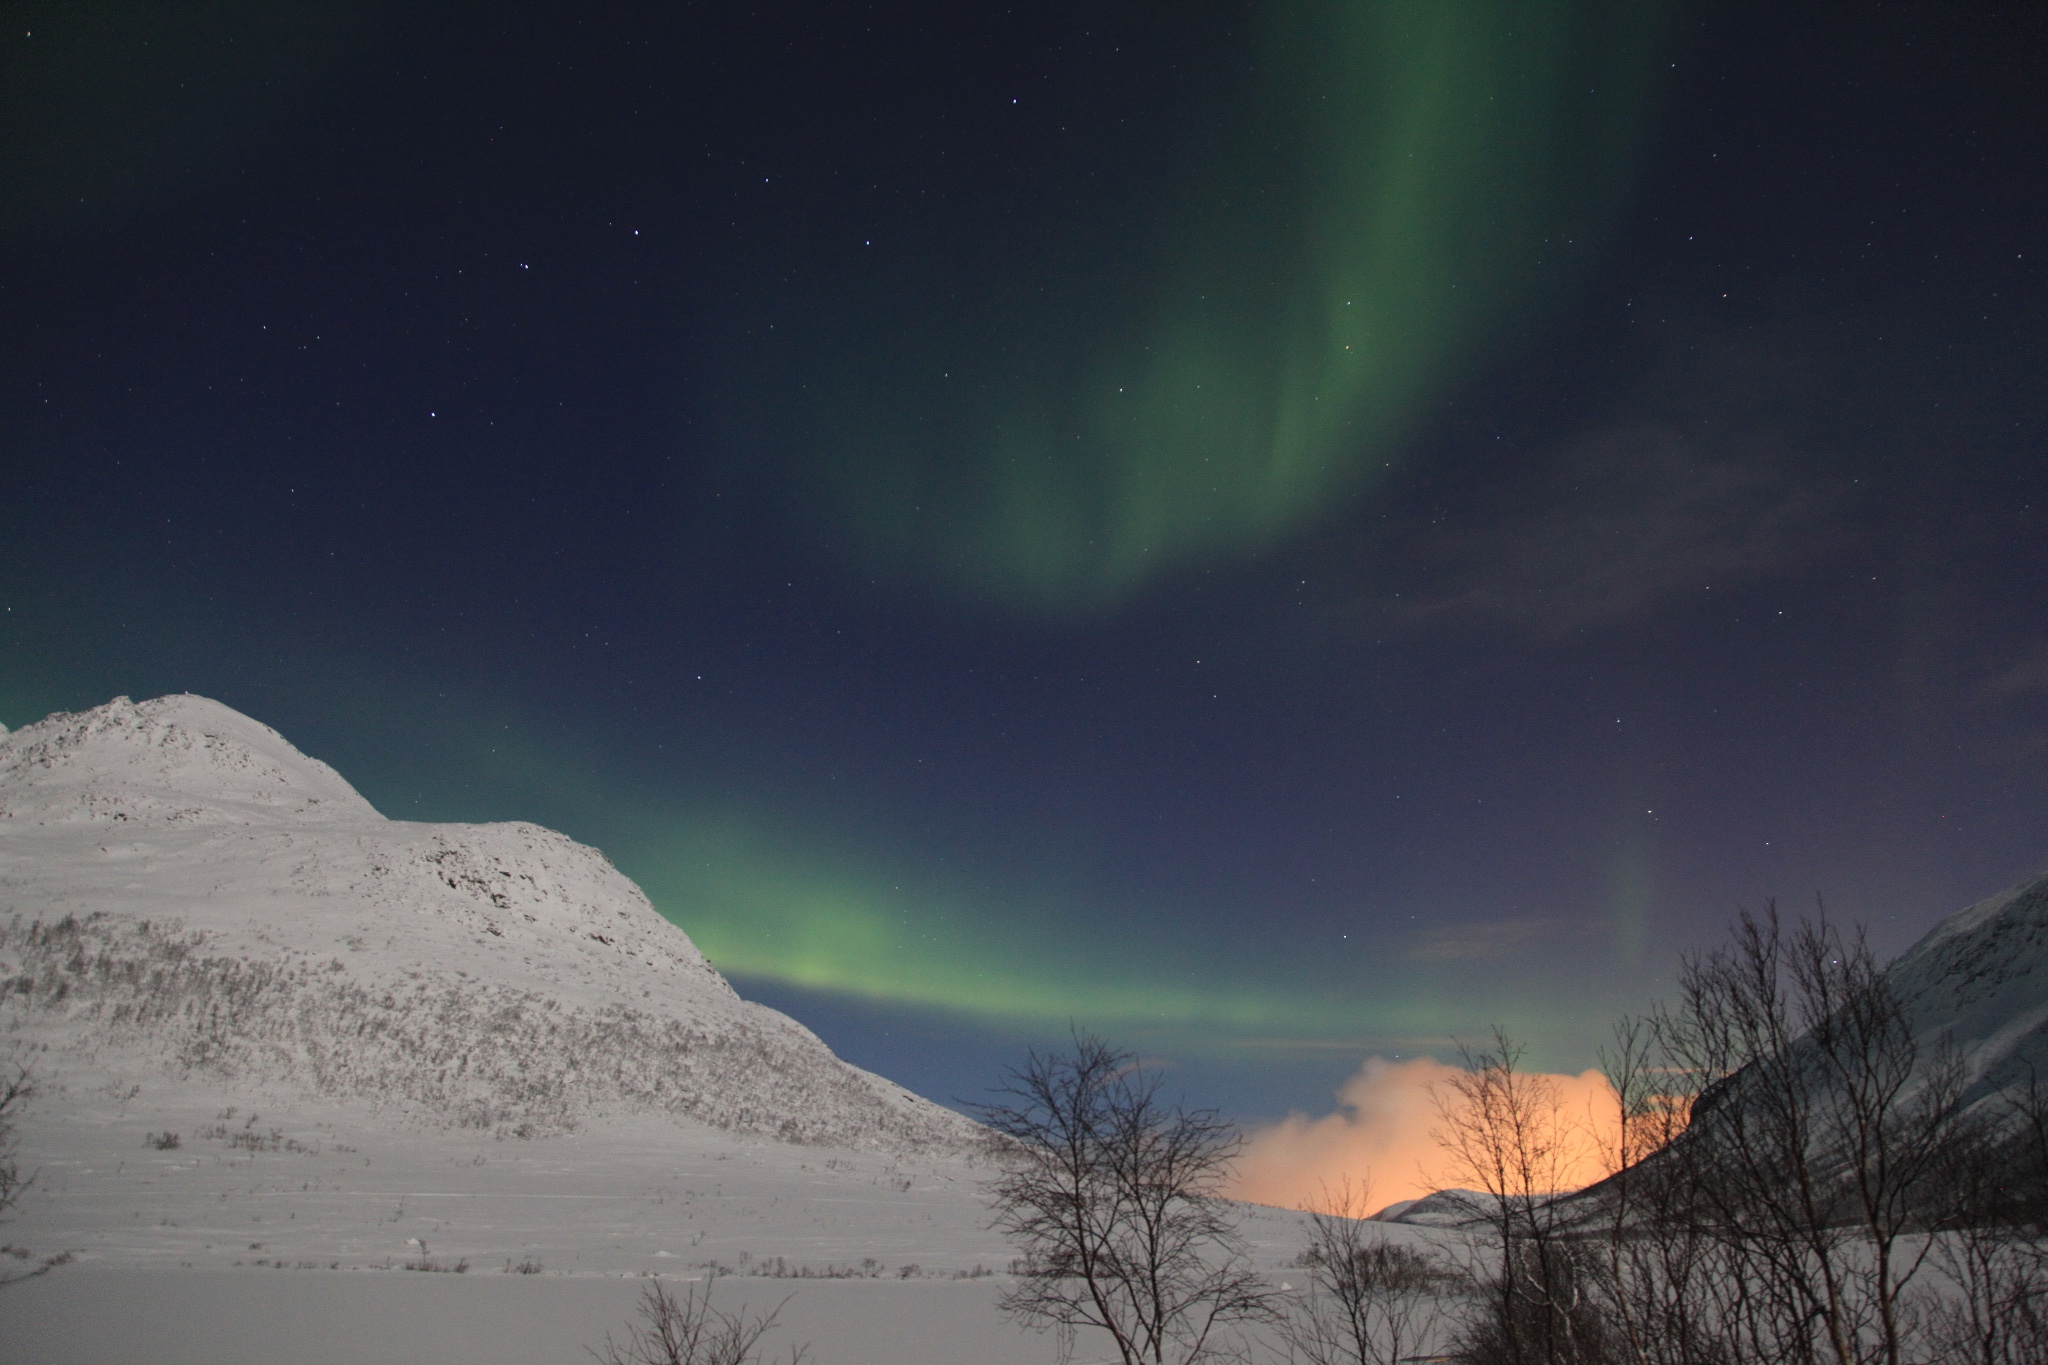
x,y
177,881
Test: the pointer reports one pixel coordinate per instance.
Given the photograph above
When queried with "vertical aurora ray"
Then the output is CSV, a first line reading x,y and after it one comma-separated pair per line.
x,y
1632,896
1064,420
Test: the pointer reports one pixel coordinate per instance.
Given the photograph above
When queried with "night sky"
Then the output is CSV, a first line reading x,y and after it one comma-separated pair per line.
x,y
1279,532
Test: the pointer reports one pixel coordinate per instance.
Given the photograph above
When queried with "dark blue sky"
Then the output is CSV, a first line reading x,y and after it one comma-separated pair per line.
x,y
1278,532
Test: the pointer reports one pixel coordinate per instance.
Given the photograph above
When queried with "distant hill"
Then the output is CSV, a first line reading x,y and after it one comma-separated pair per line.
x,y
1443,1209
181,885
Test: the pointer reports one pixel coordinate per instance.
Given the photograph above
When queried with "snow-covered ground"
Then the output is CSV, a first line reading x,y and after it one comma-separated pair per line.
x,y
296,1224
209,1318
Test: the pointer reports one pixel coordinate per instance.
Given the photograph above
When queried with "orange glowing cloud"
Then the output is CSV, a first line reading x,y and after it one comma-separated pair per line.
x,y
1381,1136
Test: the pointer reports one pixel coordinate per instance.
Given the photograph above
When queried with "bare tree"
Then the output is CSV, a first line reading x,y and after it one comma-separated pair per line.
x,y
1111,1195
689,1331
1369,1301
1790,1159
1755,1147
1994,1243
1824,1139
1508,1137
1889,1112
15,1092
1660,1270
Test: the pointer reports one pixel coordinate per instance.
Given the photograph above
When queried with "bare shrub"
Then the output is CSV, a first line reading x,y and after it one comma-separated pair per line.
x,y
1369,1301
15,1093
689,1331
782,1268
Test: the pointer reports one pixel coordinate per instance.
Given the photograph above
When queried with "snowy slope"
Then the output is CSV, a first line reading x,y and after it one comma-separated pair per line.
x,y
178,882
1980,978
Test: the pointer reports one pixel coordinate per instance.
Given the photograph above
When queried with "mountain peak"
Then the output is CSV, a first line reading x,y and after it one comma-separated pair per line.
x,y
176,760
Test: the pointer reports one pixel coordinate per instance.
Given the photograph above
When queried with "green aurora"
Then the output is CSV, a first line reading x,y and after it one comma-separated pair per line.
x,y
1052,431
771,895
1084,413
806,914
778,910
1092,396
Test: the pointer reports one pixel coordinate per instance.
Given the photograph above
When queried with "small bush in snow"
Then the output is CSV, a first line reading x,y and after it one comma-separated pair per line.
x,y
689,1331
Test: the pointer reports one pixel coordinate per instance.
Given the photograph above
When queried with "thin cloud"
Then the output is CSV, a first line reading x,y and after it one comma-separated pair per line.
x,y
2028,676
1611,525
1498,938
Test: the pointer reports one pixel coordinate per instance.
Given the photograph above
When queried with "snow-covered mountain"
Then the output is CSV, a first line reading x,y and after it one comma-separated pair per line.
x,y
179,884
1980,979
